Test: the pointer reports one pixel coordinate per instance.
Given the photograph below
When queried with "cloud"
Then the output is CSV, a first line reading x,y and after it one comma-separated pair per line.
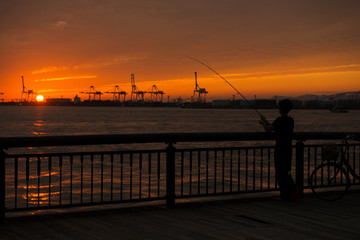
x,y
350,68
109,62
58,90
63,78
49,69
332,67
60,24
307,74
94,64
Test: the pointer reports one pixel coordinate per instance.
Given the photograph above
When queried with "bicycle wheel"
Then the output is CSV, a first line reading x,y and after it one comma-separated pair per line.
x,y
329,181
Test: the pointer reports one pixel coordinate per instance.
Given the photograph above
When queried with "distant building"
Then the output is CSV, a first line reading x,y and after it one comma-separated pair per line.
x,y
349,104
178,100
57,101
220,102
77,99
297,103
316,104
264,103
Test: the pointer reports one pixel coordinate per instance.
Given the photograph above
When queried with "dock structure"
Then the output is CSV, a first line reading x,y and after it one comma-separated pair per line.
x,y
136,94
156,95
199,93
235,218
93,94
118,95
170,192
27,93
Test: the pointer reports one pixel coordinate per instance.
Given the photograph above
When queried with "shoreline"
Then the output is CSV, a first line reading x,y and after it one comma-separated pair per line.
x,y
168,105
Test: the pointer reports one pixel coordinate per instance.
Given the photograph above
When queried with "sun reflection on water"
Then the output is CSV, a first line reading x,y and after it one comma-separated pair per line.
x,y
39,127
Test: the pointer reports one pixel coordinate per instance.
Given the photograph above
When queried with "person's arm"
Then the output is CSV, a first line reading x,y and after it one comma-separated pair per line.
x,y
267,126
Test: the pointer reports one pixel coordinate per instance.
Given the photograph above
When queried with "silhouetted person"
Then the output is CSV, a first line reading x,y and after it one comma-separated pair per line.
x,y
284,128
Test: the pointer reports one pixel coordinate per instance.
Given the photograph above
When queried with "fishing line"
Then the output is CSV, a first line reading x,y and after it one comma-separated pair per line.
x,y
197,60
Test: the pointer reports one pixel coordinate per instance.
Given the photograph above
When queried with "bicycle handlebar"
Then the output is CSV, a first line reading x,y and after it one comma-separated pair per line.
x,y
352,137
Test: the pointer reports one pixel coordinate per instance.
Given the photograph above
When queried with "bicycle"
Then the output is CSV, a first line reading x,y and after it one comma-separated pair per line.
x,y
330,181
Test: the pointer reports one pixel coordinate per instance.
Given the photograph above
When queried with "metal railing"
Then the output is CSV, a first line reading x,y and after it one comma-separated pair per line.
x,y
45,180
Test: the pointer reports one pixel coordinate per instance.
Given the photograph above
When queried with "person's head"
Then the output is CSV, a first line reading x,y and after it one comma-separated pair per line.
x,y
285,106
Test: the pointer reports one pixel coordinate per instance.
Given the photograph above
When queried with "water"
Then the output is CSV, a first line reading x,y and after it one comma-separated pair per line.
x,y
19,121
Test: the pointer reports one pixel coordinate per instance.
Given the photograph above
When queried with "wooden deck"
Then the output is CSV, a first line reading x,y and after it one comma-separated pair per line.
x,y
240,218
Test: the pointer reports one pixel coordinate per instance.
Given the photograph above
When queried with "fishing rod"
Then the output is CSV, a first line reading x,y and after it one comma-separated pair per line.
x,y
197,60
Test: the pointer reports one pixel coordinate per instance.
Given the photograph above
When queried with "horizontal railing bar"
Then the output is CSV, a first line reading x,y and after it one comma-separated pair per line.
x,y
23,155
83,153
225,193
224,148
236,192
240,192
85,204
9,142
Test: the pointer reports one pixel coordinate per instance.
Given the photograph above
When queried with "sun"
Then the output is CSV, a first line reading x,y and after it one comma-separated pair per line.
x,y
40,98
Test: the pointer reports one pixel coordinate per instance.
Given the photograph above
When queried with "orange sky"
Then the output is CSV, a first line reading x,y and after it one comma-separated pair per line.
x,y
264,48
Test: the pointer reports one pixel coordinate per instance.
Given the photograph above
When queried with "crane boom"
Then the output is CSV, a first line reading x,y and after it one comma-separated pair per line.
x,y
23,84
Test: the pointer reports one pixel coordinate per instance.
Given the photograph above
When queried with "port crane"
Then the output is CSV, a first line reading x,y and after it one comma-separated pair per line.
x,y
156,94
199,93
93,94
118,95
28,92
136,95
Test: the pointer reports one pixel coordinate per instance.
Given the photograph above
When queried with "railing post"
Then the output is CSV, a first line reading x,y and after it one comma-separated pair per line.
x,y
170,175
300,164
2,185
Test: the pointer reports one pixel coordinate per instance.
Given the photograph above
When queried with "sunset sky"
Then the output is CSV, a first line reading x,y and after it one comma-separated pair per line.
x,y
263,47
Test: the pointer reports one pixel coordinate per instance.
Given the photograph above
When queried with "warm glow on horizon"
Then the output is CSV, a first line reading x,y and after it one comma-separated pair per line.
x,y
39,98
298,52
263,84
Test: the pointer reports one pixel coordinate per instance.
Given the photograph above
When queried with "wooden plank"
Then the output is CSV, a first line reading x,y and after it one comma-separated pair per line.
x,y
259,218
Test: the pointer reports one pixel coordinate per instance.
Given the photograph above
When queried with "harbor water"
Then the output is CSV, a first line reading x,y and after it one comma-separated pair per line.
x,y
17,121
